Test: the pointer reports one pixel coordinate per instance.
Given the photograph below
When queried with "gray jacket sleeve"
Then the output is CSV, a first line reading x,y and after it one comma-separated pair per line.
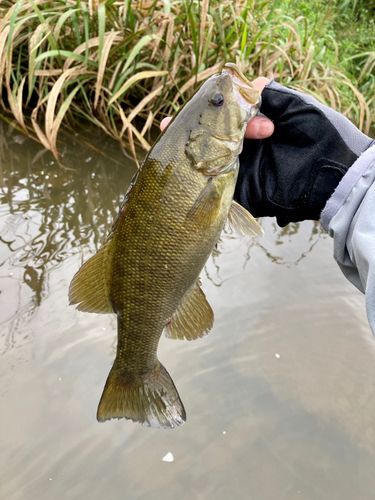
x,y
349,217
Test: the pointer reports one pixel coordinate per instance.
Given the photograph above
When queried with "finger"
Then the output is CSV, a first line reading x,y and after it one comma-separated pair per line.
x,y
259,128
165,122
260,83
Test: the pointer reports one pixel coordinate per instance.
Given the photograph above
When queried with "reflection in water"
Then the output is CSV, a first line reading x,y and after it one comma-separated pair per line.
x,y
275,236
285,235
48,214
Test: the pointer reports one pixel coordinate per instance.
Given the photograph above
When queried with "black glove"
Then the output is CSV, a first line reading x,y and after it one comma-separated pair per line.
x,y
292,174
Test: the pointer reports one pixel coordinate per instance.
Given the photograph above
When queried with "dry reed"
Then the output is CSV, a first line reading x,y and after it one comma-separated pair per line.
x,y
121,65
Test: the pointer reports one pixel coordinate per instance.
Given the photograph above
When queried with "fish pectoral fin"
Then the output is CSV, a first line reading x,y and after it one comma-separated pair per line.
x,y
150,399
207,201
240,221
90,286
193,318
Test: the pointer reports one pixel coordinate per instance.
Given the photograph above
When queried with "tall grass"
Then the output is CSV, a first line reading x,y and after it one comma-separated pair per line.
x,y
122,65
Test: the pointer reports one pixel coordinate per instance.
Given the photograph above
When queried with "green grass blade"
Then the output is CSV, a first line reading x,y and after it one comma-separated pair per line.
x,y
19,4
243,40
76,26
193,32
133,54
134,79
137,49
64,53
87,30
68,14
101,20
221,34
42,21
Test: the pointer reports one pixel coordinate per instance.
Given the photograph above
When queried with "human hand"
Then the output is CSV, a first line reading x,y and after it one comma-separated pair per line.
x,y
292,174
258,128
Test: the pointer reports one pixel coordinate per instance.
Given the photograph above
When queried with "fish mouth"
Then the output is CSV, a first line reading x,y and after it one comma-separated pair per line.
x,y
246,94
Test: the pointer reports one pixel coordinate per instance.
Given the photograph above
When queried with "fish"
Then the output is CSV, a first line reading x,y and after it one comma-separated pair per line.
x,y
148,270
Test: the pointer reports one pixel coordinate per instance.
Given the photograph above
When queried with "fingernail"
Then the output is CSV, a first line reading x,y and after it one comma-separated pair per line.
x,y
264,128
164,122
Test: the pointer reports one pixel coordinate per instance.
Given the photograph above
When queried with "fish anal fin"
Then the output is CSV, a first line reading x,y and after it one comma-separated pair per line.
x,y
240,221
151,399
193,318
90,286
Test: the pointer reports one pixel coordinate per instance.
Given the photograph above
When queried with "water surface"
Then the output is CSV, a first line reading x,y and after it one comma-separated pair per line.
x,y
280,396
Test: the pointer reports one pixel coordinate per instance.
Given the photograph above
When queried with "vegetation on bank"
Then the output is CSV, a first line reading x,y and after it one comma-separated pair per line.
x,y
122,65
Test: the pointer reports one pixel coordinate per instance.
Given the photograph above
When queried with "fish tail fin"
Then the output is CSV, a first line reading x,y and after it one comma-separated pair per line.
x,y
151,399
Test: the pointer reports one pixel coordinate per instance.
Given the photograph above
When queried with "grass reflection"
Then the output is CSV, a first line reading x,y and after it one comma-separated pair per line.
x,y
49,214
300,240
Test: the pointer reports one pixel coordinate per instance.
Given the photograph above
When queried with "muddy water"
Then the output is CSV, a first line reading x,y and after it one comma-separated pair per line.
x,y
280,396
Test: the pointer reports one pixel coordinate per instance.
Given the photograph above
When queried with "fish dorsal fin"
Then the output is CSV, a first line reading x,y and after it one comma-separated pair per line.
x,y
242,222
90,286
193,318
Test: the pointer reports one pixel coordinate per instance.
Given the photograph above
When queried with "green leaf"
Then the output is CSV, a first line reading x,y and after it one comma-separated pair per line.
x,y
70,13
19,4
193,31
134,79
43,20
133,54
137,49
64,53
101,19
87,31
244,39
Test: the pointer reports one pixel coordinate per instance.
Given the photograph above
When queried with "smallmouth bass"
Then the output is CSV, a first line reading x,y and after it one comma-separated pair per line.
x,y
147,271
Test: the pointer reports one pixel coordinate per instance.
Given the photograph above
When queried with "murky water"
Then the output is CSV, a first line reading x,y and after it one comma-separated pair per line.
x,y
280,396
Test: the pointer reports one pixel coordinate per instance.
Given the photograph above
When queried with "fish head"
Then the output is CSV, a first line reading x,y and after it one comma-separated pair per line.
x,y
221,110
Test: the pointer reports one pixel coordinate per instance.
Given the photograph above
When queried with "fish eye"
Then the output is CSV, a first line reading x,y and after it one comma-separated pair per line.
x,y
217,99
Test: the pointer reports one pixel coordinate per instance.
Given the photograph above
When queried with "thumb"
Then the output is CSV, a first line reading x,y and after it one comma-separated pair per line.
x,y
259,127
